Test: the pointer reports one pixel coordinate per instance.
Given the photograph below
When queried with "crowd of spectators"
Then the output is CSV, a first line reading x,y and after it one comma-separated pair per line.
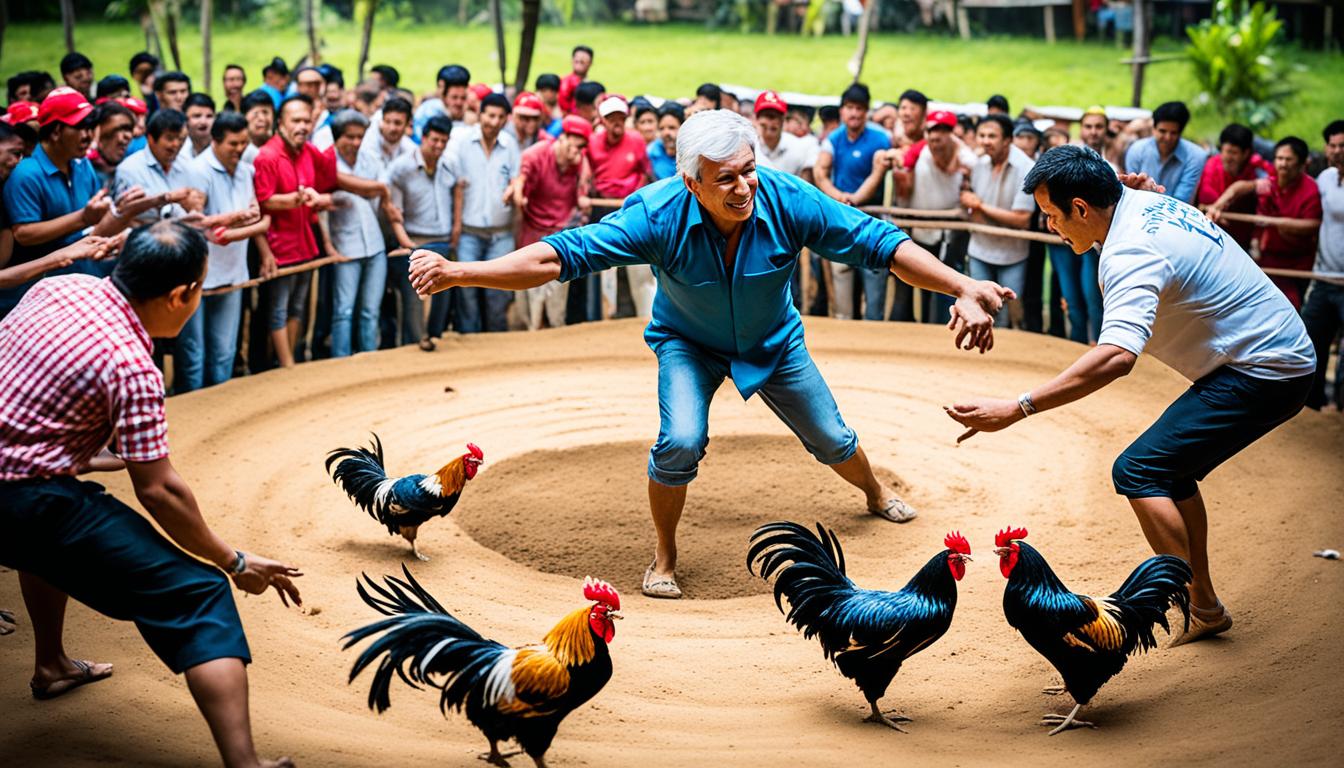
x,y
313,193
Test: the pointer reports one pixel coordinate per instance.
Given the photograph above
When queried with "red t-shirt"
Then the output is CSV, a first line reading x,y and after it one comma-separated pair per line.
x,y
912,154
1300,201
551,195
1214,181
279,172
621,169
566,96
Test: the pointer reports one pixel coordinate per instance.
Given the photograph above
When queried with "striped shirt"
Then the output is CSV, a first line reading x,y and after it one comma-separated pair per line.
x,y
75,373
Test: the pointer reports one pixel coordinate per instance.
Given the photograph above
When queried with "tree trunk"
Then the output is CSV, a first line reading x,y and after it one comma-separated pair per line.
x,y
497,15
462,13
174,12
68,24
1140,49
151,33
310,21
207,11
531,16
366,33
856,63
4,22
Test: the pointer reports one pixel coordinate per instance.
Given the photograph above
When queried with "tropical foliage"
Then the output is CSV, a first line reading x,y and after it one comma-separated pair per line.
x,y
1235,61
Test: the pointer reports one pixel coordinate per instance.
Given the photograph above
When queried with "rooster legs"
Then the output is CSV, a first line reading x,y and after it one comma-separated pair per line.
x,y
495,757
891,722
1065,722
409,533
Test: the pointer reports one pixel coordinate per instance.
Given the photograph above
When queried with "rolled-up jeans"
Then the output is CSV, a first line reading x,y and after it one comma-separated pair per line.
x,y
357,292
688,377
482,245
206,345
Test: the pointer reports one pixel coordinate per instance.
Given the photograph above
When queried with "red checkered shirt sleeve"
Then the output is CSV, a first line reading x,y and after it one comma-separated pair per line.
x,y
136,394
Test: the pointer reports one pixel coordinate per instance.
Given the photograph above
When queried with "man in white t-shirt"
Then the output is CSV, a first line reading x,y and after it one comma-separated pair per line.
x,y
1181,289
780,149
996,198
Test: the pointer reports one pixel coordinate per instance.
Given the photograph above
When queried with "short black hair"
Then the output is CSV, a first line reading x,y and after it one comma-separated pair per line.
x,y
1172,112
997,101
438,124
309,68
588,91
157,258
199,100
73,61
1071,171
238,67
112,84
674,109
226,123
583,48
165,120
171,77
109,109
277,66
454,75
1335,128
829,113
642,106
711,92
914,97
966,122
290,99
1238,136
398,104
143,57
857,93
1005,125
497,100
1298,146
257,98
7,132
391,77
332,74
548,81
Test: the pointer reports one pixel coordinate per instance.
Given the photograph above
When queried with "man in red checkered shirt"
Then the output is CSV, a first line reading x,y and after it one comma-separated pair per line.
x,y
76,377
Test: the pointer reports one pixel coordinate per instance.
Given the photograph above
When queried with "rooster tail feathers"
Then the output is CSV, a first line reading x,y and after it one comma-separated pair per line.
x,y
1158,583
418,640
359,472
808,568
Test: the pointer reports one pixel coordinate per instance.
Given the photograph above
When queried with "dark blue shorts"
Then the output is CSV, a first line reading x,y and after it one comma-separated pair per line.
x,y
1215,419
86,543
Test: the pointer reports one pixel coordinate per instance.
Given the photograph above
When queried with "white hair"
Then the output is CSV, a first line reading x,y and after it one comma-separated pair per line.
x,y
714,134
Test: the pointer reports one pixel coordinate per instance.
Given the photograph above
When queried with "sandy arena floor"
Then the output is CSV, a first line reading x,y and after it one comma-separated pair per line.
x,y
565,418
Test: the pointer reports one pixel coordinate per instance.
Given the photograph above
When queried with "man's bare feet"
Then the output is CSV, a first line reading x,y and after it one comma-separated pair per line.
x,y
50,683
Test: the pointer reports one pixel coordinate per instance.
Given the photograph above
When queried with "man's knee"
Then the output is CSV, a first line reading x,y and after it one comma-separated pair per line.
x,y
676,456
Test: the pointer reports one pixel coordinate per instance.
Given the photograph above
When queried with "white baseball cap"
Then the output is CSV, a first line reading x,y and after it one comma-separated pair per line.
x,y
613,104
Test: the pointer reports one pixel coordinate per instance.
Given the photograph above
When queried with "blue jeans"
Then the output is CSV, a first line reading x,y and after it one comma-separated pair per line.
x,y
874,292
688,377
1082,293
357,284
205,347
471,301
1012,276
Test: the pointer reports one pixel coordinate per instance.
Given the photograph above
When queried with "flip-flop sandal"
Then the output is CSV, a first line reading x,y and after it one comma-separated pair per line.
x,y
1204,623
896,511
85,676
665,589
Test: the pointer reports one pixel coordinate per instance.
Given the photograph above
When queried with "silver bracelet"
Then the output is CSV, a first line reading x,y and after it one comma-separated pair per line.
x,y
239,565
1024,402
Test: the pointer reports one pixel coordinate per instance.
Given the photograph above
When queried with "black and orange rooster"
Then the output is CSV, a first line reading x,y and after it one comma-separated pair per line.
x,y
403,504
866,633
1087,639
520,693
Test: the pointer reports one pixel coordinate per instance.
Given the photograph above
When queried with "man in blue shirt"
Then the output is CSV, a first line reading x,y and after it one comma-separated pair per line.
x,y
1168,159
845,170
723,241
275,78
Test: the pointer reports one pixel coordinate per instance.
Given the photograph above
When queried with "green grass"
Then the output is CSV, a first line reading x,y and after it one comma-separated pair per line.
x,y
673,60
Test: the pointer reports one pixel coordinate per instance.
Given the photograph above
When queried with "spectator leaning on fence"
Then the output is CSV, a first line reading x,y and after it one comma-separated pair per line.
x,y
620,163
392,139
1323,312
260,115
1170,160
116,127
996,198
158,170
206,346
425,186
487,160
779,149
1235,161
357,295
200,112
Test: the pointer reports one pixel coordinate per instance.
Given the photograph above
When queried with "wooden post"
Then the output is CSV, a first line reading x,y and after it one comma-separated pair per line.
x,y
1079,20
206,13
68,24
310,21
366,34
1140,49
497,15
963,23
1049,24
856,63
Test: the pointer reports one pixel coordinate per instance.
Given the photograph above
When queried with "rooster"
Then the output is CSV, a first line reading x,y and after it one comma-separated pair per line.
x,y
520,693
866,633
405,504
1087,639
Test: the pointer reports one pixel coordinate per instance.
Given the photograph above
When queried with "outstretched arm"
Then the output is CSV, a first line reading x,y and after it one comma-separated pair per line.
x,y
1100,366
527,267
977,301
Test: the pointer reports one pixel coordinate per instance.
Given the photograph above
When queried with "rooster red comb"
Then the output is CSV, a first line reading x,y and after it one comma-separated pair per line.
x,y
957,543
601,592
475,452
1006,536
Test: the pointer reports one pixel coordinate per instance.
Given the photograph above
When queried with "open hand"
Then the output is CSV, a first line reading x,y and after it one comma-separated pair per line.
x,y
262,574
1141,181
984,415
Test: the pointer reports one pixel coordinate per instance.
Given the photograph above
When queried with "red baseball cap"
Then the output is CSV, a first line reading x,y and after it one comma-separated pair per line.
x,y
63,105
940,117
528,104
481,90
135,105
769,100
21,112
576,126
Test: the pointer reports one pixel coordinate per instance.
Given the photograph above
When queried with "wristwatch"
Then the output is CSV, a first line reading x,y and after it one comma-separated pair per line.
x,y
239,565
1024,402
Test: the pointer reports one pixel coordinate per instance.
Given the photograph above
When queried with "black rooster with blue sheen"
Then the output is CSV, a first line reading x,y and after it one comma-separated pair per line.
x,y
868,634
402,504
1087,639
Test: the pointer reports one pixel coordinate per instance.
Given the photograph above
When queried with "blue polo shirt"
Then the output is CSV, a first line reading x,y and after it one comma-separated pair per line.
x,y
1179,173
38,191
853,160
747,316
274,93
664,165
